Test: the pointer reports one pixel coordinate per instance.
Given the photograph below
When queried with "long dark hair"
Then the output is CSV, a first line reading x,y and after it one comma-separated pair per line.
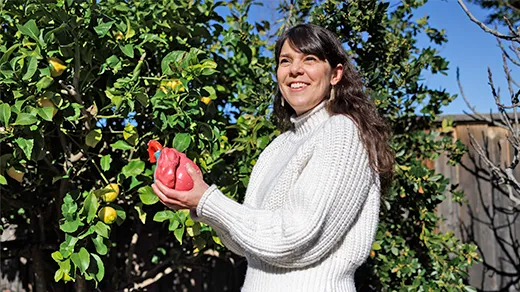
x,y
350,98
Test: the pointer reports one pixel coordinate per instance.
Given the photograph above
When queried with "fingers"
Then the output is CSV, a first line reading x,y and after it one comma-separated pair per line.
x,y
170,193
166,200
193,172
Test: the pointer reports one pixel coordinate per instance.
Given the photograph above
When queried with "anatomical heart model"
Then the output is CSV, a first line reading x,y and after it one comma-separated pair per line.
x,y
171,166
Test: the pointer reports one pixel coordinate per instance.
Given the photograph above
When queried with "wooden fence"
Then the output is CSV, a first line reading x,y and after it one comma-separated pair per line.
x,y
489,219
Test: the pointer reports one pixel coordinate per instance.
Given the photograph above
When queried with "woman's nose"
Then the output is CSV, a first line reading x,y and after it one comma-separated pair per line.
x,y
296,68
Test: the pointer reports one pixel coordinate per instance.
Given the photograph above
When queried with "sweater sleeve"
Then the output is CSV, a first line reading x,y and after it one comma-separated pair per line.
x,y
323,204
228,242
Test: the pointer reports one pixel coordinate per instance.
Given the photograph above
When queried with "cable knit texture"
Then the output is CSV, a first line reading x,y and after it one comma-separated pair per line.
x,y
310,211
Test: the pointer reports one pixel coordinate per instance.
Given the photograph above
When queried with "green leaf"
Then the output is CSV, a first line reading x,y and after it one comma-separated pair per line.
x,y
130,134
262,142
46,113
8,53
67,247
128,50
70,226
84,258
121,214
147,195
65,266
164,215
174,224
121,145
26,145
140,212
93,138
75,259
179,233
44,82
3,181
24,119
133,168
87,233
30,29
31,68
101,229
5,113
58,275
181,142
57,256
103,28
91,206
193,230
135,182
105,162
100,246
175,57
69,207
100,268
376,245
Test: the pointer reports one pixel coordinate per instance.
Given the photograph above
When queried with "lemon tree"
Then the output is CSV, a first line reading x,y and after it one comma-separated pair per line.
x,y
84,86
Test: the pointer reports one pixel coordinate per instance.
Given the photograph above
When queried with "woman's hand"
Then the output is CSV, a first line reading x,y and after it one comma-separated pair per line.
x,y
182,199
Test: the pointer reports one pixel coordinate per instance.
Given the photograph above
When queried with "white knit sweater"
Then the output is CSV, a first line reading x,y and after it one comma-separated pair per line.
x,y
310,212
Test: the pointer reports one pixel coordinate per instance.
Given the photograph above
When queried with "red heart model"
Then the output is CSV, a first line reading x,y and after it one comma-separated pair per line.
x,y
171,168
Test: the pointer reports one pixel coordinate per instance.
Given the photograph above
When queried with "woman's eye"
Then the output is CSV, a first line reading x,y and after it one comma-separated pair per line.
x,y
310,58
283,61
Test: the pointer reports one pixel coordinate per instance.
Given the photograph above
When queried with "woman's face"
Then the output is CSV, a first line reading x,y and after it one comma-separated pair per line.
x,y
304,80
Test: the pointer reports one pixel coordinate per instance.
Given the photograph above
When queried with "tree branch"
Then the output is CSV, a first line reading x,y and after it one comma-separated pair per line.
x,y
515,36
472,108
506,175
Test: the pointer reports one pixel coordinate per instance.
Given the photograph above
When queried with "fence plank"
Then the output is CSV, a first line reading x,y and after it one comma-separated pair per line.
x,y
488,219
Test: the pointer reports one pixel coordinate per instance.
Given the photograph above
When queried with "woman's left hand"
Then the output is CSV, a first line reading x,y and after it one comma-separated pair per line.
x,y
182,199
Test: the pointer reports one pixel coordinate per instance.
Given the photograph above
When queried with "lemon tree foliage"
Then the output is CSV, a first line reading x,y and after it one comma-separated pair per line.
x,y
84,85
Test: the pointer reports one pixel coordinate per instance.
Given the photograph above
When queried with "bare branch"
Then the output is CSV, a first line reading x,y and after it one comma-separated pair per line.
x,y
503,115
508,76
505,175
515,35
510,190
516,62
472,108
510,26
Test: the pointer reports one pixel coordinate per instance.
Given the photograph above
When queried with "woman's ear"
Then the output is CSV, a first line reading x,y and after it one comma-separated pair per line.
x,y
337,74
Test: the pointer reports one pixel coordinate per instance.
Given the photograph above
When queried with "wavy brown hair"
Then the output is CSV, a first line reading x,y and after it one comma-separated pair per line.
x,y
350,98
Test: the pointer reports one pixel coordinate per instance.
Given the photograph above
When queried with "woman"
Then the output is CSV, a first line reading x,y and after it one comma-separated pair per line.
x,y
311,208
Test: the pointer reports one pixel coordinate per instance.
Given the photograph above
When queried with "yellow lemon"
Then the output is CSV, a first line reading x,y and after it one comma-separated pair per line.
x,y
15,174
107,214
205,100
172,84
57,66
112,191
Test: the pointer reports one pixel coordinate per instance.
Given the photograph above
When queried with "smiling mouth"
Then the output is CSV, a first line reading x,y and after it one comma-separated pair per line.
x,y
298,85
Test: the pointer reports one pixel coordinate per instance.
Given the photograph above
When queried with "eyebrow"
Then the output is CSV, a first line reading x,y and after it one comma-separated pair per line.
x,y
285,55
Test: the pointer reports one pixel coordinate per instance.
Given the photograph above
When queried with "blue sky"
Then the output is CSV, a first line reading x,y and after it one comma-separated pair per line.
x,y
468,47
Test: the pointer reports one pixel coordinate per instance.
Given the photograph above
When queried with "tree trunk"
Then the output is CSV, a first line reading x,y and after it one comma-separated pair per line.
x,y
40,279
39,270
81,284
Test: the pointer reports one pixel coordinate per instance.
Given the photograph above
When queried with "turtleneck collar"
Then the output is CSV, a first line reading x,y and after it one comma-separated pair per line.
x,y
306,122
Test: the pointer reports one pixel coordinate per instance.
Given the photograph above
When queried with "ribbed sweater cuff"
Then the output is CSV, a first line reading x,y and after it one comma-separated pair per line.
x,y
215,208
